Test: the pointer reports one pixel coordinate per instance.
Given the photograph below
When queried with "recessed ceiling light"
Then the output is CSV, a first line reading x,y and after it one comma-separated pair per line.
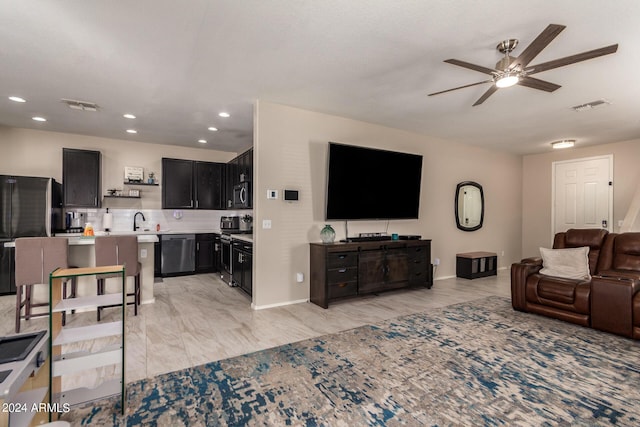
x,y
128,116
202,141
223,114
17,99
39,119
132,131
565,143
213,129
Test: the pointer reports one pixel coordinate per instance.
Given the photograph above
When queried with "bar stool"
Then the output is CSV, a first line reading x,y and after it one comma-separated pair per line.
x,y
119,250
36,258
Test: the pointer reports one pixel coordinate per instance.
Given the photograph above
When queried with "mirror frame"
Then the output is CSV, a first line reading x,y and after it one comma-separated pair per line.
x,y
479,187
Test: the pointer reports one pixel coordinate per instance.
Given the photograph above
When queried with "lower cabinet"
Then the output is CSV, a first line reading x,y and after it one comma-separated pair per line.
x,y
242,258
349,269
206,259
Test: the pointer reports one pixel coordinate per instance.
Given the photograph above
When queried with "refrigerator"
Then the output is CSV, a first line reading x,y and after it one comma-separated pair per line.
x,y
29,207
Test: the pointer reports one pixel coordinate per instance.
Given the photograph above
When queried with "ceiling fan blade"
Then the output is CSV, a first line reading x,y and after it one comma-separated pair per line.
x,y
460,87
538,84
572,59
536,46
470,66
486,95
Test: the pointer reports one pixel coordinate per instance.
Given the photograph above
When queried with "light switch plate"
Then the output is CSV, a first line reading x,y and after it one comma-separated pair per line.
x,y
272,194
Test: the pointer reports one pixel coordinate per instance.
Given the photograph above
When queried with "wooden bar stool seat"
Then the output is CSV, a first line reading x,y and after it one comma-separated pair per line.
x,y
36,258
119,250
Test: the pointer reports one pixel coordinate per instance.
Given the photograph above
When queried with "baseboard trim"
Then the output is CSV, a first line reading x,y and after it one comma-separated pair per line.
x,y
280,304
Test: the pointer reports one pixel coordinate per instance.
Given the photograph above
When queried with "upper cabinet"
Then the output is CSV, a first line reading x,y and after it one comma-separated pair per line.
x,y
189,184
81,178
239,179
209,188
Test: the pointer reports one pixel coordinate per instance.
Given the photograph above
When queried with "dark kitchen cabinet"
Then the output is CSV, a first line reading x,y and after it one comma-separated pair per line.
x,y
242,253
81,178
157,257
177,184
188,184
206,254
238,170
209,189
7,270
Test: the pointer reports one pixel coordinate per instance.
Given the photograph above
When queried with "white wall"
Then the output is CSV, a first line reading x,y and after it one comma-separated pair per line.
x,y
290,148
536,188
39,153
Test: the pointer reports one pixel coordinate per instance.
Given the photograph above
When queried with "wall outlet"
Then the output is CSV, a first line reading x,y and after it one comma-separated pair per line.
x,y
502,253
436,261
266,224
143,253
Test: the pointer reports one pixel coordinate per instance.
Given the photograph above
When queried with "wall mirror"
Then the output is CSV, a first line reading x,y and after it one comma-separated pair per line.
x,y
469,206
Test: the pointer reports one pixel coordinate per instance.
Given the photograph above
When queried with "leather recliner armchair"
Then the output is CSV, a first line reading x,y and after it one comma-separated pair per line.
x,y
609,301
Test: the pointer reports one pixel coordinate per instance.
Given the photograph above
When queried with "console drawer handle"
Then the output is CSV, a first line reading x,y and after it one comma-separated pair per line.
x,y
342,270
342,285
342,256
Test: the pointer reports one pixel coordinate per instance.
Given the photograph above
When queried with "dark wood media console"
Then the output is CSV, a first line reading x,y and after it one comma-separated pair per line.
x,y
349,269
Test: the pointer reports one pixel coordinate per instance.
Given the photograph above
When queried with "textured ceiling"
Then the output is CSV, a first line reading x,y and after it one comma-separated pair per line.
x,y
175,65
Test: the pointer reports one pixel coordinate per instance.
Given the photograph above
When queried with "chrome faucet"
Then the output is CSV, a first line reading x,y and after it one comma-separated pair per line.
x,y
135,227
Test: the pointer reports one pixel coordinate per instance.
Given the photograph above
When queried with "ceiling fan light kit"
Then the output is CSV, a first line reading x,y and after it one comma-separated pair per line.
x,y
507,80
565,143
510,71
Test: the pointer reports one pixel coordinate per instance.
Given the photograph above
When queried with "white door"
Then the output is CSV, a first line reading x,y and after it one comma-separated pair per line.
x,y
583,194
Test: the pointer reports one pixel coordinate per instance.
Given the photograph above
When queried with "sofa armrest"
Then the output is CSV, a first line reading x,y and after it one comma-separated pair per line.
x,y
520,271
532,260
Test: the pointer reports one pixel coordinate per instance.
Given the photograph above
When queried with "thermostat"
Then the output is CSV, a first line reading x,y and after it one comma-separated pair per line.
x,y
290,195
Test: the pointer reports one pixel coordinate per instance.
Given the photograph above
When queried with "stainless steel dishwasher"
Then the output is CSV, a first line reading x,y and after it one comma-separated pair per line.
x,y
178,254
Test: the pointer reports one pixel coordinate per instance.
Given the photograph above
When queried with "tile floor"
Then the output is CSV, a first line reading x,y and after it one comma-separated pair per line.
x,y
199,319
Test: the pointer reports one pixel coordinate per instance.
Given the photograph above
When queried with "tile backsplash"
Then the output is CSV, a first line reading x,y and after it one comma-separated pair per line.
x,y
169,219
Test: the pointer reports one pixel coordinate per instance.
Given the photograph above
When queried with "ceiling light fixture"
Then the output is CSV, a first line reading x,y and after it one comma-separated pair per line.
x,y
202,141
128,116
39,119
224,114
17,99
132,131
565,143
507,79
213,129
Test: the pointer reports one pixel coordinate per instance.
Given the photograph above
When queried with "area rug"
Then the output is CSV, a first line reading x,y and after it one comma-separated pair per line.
x,y
470,364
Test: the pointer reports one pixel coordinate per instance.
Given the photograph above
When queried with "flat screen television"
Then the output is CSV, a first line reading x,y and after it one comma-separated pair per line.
x,y
367,183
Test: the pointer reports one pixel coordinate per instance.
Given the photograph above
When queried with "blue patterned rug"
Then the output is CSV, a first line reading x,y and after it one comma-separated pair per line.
x,y
471,364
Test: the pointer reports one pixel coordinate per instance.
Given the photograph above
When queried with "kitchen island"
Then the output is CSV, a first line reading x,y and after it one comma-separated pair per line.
x,y
82,254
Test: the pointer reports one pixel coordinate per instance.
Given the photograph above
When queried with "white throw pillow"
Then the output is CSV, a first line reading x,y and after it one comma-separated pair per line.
x,y
571,263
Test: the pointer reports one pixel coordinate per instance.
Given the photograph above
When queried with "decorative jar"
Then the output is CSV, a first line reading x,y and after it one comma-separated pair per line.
x,y
327,234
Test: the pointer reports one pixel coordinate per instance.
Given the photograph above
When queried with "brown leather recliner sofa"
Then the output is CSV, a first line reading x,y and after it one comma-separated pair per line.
x,y
609,301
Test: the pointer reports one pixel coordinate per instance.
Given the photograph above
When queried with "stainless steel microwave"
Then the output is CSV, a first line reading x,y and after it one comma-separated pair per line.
x,y
242,195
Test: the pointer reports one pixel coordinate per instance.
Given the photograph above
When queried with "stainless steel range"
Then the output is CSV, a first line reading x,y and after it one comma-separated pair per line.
x,y
226,272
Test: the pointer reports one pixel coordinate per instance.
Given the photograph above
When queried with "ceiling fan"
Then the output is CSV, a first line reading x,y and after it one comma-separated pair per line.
x,y
512,71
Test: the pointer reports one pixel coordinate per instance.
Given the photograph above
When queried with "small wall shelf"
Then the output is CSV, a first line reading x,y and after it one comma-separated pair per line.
x,y
140,183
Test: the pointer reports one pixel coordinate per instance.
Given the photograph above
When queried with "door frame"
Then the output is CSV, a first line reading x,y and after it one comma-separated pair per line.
x,y
553,189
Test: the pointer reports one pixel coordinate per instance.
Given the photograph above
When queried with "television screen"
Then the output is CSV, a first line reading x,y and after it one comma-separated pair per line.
x,y
367,183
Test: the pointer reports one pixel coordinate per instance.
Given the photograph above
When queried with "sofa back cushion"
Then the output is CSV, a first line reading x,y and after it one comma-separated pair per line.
x,y
575,238
626,252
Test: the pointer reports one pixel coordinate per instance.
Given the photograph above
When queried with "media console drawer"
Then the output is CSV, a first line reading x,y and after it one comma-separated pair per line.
x,y
349,269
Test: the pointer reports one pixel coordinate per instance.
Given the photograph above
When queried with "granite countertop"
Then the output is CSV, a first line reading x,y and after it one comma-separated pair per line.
x,y
145,236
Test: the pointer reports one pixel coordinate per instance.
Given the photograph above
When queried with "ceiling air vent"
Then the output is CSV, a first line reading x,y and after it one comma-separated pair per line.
x,y
80,105
591,105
